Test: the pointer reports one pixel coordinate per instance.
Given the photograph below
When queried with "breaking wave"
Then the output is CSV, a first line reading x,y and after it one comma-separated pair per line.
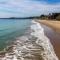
x,y
34,45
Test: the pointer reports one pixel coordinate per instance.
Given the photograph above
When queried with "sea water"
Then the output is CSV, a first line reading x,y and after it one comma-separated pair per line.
x,y
10,29
31,46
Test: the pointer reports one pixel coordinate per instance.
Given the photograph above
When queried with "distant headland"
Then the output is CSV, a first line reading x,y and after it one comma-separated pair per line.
x,y
34,17
50,16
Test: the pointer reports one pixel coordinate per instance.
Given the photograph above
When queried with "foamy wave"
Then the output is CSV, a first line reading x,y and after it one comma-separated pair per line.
x,y
33,46
38,30
48,53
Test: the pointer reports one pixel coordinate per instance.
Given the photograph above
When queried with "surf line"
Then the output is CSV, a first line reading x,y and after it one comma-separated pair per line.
x,y
38,31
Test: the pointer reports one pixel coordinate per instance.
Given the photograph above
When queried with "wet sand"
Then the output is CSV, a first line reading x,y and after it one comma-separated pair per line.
x,y
54,38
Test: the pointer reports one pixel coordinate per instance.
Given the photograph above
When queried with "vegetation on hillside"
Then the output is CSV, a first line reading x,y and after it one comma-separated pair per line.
x,y
53,16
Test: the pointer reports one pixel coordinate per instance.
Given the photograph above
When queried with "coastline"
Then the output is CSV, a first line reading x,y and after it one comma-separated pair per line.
x,y
49,51
55,25
52,34
34,45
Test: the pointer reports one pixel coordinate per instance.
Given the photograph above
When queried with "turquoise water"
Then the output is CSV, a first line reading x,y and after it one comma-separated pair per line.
x,y
10,29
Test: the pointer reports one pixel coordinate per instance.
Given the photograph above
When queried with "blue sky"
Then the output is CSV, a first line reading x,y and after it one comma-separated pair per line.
x,y
50,1
24,8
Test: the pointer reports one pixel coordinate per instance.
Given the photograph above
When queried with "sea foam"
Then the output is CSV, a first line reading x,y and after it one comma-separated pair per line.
x,y
48,53
32,46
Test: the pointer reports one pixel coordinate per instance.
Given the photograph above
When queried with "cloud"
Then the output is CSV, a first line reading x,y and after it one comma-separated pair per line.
x,y
23,8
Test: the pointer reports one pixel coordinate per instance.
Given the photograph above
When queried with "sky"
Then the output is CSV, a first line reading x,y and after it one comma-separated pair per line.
x,y
26,8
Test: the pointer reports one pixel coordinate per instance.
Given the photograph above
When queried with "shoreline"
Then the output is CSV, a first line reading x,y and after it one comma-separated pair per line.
x,y
55,25
35,45
53,35
47,44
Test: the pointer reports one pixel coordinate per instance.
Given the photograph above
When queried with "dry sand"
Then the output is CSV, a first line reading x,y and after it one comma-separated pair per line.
x,y
53,24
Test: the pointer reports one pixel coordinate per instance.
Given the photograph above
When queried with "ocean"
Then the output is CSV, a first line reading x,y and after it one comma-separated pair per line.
x,y
31,43
10,29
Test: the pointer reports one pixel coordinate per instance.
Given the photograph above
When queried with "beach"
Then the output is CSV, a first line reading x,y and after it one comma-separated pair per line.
x,y
34,45
52,31
53,24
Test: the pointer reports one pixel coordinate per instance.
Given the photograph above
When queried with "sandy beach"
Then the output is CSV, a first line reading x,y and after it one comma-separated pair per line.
x,y
53,24
52,31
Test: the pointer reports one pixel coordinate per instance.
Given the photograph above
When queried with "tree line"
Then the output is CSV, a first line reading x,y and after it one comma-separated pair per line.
x,y
51,16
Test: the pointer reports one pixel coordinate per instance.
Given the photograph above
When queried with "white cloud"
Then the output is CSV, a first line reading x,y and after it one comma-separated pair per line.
x,y
26,8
